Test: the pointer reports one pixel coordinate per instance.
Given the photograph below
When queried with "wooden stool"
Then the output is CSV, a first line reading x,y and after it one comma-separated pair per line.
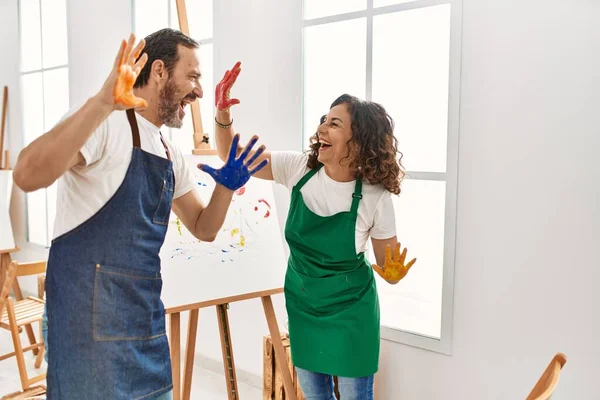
x,y
16,314
33,393
272,379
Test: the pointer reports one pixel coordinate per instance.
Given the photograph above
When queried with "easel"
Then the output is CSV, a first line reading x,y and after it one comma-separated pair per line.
x,y
5,258
182,388
6,163
5,254
201,139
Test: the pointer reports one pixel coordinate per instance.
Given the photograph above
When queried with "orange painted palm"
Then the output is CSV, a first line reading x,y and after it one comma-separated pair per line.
x,y
128,69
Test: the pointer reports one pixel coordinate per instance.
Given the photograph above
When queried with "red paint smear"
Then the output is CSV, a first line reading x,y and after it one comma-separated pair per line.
x,y
268,213
264,201
240,191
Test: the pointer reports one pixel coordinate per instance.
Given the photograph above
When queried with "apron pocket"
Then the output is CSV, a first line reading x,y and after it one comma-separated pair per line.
x,y
125,304
331,294
163,210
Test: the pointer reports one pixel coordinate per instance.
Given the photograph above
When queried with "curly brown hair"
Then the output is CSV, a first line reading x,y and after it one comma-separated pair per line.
x,y
373,148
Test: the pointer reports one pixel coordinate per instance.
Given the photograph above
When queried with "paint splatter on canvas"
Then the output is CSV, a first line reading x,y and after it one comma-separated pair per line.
x,y
241,230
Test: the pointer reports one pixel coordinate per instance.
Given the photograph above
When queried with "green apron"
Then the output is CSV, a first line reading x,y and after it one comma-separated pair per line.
x,y
330,291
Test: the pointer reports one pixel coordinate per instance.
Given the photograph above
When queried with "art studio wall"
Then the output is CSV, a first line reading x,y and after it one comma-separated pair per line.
x,y
528,222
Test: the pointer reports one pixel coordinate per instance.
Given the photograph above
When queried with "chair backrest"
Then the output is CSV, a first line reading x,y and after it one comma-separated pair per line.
x,y
549,379
31,268
15,269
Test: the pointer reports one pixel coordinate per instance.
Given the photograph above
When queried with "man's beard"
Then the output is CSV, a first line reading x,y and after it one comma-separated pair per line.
x,y
168,106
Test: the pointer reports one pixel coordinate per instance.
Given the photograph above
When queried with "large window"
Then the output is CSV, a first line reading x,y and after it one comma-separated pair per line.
x,y
152,15
404,55
44,93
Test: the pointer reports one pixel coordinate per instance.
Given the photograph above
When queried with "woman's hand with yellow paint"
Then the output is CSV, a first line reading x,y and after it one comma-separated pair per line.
x,y
394,268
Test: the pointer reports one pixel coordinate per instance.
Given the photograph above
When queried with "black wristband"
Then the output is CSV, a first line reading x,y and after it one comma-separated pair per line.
x,y
220,125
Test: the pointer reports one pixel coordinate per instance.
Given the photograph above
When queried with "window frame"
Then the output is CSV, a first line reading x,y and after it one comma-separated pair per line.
x,y
41,71
450,177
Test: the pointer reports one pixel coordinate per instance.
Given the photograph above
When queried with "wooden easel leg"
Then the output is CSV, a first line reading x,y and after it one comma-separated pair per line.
x,y
174,327
280,356
228,363
190,348
4,263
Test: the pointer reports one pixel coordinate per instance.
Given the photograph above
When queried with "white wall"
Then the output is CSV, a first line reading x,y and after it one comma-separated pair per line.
x,y
528,223
96,29
526,266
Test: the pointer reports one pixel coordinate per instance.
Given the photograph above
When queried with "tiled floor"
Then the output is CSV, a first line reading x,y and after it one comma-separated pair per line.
x,y
206,385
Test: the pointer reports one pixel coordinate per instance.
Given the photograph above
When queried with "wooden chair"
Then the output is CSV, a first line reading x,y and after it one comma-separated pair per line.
x,y
16,314
549,379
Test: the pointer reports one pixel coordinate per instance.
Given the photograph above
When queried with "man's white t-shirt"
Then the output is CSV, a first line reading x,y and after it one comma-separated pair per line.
x,y
325,197
83,191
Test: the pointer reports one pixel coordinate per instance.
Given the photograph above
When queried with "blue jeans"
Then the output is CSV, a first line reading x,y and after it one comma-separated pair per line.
x,y
316,386
45,333
166,396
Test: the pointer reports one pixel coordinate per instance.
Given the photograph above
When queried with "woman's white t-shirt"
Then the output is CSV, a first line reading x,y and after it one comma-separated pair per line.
x,y
83,190
325,197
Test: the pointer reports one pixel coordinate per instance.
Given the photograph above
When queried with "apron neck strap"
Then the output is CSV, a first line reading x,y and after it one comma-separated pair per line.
x,y
307,176
135,132
356,196
165,146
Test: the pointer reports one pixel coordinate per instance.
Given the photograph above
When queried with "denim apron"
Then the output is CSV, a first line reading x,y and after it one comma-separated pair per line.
x,y
330,291
106,320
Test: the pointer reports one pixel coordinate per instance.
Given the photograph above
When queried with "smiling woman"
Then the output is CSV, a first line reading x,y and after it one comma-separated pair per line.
x,y
363,130
340,197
